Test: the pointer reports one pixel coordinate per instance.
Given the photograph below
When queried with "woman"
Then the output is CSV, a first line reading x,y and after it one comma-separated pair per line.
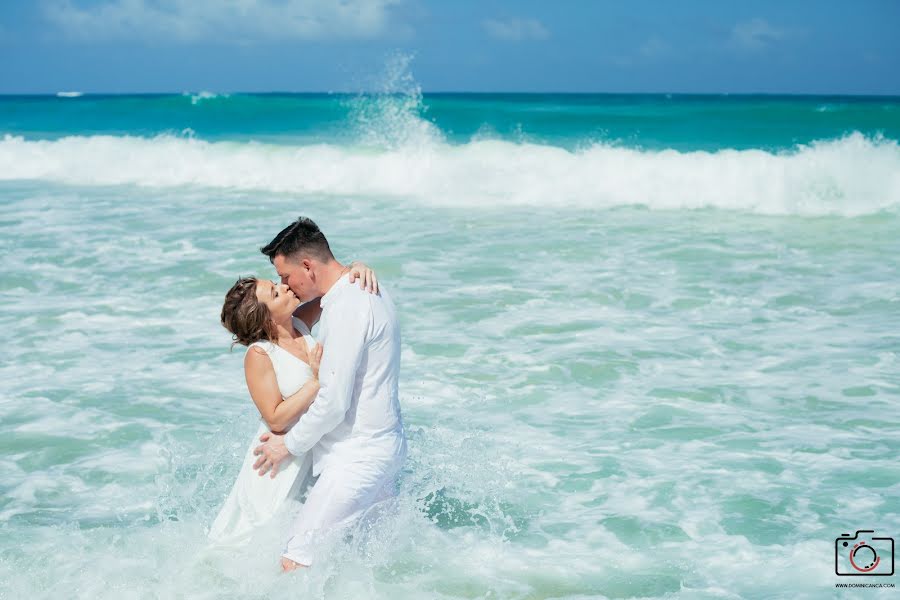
x,y
282,371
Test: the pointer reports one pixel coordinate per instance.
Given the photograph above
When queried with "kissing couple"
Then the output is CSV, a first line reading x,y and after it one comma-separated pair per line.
x,y
329,407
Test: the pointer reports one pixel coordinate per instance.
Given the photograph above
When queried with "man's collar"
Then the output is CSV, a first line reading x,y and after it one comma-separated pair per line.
x,y
330,294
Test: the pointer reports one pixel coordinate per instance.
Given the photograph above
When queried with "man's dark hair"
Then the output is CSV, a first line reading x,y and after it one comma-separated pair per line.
x,y
302,237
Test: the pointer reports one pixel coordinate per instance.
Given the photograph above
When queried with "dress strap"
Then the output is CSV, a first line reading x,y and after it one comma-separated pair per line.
x,y
266,346
310,341
300,326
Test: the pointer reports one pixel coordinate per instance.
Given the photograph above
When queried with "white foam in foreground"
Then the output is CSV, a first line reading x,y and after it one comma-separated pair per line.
x,y
850,176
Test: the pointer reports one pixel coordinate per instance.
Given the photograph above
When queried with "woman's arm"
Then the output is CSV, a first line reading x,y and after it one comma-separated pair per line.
x,y
279,413
309,312
367,279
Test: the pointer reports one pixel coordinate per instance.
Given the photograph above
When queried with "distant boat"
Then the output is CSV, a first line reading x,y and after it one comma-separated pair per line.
x,y
68,94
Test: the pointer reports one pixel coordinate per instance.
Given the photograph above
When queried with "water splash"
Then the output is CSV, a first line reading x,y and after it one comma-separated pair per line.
x,y
392,115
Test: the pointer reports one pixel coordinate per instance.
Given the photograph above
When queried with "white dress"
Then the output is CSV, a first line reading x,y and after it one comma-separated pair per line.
x,y
254,500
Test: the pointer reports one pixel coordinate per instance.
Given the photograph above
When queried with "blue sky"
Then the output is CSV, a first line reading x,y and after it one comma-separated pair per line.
x,y
457,45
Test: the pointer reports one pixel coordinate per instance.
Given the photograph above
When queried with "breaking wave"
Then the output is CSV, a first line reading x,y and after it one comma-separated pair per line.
x,y
850,176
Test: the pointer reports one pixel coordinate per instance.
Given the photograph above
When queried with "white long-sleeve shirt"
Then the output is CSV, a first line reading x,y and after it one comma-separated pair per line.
x,y
358,402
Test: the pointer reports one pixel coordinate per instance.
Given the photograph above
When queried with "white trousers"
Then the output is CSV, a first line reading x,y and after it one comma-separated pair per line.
x,y
349,484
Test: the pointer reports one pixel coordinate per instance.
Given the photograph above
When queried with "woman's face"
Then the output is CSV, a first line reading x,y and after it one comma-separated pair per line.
x,y
278,298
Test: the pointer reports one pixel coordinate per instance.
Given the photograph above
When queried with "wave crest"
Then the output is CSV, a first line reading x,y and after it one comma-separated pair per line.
x,y
851,176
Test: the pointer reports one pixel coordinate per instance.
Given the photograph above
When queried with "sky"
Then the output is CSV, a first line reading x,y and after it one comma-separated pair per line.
x,y
132,46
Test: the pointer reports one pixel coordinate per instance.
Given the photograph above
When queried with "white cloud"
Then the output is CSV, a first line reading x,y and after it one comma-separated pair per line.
x,y
516,29
756,34
222,20
654,47
652,50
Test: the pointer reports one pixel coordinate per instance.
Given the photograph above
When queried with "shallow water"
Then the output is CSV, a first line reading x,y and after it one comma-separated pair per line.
x,y
690,394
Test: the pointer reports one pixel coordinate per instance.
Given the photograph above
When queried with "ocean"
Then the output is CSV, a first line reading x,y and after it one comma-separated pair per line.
x,y
651,343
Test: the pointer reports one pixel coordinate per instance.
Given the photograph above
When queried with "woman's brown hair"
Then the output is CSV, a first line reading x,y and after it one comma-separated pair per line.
x,y
245,316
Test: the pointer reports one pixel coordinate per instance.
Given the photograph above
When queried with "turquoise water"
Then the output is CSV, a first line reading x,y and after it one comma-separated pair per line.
x,y
681,122
650,343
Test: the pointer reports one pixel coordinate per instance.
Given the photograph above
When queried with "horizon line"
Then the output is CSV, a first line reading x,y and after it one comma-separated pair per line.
x,y
75,94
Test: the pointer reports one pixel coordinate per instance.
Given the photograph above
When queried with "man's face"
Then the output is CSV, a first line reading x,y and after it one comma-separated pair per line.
x,y
296,275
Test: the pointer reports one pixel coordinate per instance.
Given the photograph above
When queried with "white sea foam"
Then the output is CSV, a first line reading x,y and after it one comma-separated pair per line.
x,y
850,176
204,95
641,405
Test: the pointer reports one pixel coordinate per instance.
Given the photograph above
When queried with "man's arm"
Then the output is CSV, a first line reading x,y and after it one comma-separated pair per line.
x,y
347,336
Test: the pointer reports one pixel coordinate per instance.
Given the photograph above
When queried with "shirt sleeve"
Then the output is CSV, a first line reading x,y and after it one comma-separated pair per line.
x,y
347,336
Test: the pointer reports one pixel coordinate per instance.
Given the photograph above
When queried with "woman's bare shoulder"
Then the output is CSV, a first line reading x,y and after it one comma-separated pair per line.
x,y
256,358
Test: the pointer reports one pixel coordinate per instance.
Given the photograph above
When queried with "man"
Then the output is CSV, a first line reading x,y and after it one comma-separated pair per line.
x,y
354,427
